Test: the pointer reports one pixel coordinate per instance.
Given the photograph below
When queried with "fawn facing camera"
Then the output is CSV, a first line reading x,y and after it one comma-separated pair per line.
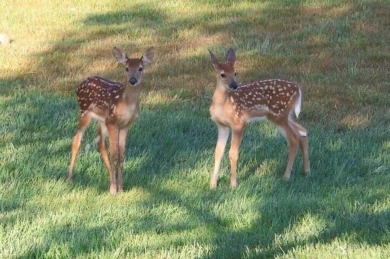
x,y
115,106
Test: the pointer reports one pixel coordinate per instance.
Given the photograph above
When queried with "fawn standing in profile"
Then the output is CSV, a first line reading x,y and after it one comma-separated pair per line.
x,y
234,106
115,106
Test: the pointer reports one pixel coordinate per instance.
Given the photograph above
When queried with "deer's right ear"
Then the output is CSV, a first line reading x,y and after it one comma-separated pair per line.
x,y
119,55
230,57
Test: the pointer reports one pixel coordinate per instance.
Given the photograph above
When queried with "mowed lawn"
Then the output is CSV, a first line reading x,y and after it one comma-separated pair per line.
x,y
338,51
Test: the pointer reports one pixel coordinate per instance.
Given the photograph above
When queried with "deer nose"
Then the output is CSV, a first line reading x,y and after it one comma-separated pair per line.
x,y
133,80
233,85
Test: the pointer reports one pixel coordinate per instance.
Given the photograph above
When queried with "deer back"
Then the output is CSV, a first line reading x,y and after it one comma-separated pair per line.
x,y
99,95
274,96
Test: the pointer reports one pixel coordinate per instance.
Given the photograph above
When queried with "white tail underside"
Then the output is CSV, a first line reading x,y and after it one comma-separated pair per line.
x,y
298,104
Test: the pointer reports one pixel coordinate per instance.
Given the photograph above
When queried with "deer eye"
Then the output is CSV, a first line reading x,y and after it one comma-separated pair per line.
x,y
235,74
140,69
223,75
127,69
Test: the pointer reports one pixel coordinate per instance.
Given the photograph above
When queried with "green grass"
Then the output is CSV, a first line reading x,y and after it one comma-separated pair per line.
x,y
338,51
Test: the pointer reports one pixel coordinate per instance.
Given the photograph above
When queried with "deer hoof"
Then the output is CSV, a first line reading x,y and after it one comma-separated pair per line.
x,y
69,180
113,189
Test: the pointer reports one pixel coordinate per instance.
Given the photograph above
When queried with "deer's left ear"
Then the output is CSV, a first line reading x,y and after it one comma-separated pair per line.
x,y
148,55
230,57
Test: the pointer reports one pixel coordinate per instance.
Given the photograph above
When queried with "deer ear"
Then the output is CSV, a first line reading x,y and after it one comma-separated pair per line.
x,y
119,55
230,57
214,59
148,55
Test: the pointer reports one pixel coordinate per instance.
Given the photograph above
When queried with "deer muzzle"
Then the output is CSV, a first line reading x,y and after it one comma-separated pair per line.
x,y
133,80
233,85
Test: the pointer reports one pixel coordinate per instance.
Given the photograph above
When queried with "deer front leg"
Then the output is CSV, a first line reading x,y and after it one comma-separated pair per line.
x,y
122,149
113,136
233,155
223,135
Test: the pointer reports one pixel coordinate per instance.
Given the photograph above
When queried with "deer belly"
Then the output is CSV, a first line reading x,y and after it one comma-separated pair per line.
x,y
256,119
97,116
256,115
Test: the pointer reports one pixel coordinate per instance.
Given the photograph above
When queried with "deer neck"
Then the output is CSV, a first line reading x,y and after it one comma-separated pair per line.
x,y
131,93
220,96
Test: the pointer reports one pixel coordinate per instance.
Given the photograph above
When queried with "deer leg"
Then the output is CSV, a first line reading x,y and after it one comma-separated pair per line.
x,y
292,142
122,148
233,155
83,124
113,135
288,130
100,139
304,145
223,135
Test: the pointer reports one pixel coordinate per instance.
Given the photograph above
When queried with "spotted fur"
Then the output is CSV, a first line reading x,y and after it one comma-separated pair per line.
x,y
234,106
99,92
274,95
116,107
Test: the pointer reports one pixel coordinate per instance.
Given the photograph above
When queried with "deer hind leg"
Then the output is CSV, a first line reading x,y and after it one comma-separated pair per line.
x,y
233,155
113,135
83,124
100,139
223,135
289,132
304,145
121,158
